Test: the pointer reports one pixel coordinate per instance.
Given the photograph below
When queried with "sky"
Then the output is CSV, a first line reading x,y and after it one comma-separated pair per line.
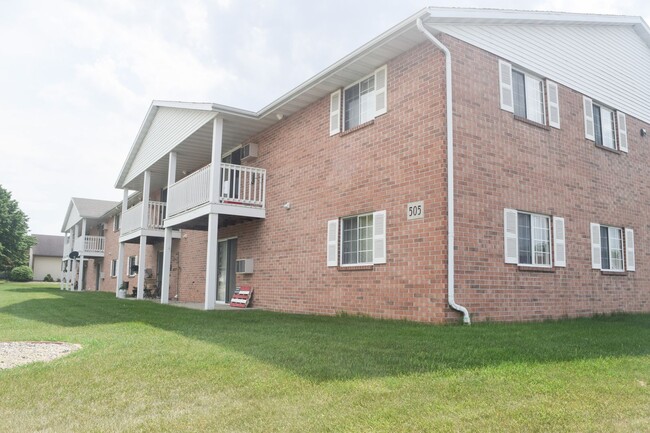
x,y
77,77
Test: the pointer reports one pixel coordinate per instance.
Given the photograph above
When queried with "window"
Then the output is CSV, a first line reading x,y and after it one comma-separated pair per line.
x,y
362,240
113,268
116,222
356,240
528,93
527,239
523,94
612,248
604,126
362,101
132,266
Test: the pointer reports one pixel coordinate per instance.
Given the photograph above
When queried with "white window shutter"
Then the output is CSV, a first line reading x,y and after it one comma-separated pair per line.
x,y
588,107
510,236
559,241
553,104
629,250
505,86
335,112
622,131
381,102
333,243
595,246
379,237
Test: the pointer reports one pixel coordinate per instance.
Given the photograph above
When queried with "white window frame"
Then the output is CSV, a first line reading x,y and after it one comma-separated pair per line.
x,y
532,241
528,77
117,219
131,261
610,231
371,239
113,270
371,97
612,115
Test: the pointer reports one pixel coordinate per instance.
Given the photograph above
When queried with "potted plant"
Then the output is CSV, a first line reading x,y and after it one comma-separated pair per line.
x,y
121,292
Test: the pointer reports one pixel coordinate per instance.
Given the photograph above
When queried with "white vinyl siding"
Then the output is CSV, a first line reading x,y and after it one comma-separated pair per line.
x,y
618,81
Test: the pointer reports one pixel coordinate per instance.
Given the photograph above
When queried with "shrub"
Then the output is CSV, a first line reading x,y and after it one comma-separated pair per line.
x,y
21,273
48,279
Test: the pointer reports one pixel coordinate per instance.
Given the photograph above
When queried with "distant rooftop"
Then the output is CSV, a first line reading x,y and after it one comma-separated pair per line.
x,y
48,245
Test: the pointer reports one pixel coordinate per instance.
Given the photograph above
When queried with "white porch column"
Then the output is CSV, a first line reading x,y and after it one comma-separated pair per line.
x,y
144,223
142,260
211,262
120,267
81,254
146,191
73,278
213,219
167,249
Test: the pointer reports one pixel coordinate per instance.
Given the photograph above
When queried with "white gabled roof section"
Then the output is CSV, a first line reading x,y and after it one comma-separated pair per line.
x,y
604,57
79,208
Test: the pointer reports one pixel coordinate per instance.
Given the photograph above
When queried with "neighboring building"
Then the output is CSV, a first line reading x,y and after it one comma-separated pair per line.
x,y
514,140
45,256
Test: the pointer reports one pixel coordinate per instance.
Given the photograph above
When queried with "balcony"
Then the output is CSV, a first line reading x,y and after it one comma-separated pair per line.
x,y
242,192
132,219
90,246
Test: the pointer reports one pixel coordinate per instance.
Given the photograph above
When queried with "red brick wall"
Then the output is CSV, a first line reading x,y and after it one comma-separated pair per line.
x,y
502,163
398,159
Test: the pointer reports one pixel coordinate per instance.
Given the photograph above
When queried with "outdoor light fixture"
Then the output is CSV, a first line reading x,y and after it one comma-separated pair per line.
x,y
287,205
643,132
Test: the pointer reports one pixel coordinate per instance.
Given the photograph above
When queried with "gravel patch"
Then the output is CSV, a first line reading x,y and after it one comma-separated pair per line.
x,y
15,353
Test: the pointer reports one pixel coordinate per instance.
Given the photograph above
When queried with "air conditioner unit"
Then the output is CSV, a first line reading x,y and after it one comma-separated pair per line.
x,y
244,266
249,151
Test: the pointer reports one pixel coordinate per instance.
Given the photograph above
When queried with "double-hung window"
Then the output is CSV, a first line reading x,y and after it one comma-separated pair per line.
x,y
362,240
113,268
528,96
612,248
604,126
533,239
131,266
116,222
359,102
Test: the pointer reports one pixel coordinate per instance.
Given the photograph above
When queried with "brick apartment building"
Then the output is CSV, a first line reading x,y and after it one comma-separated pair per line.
x,y
517,138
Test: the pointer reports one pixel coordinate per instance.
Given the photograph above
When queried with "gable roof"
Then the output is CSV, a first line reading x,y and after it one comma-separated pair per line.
x,y
48,245
80,208
485,28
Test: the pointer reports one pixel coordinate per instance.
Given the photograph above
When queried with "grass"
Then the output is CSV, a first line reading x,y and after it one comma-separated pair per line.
x,y
148,367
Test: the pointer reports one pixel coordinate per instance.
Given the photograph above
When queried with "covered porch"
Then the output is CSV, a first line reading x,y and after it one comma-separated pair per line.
x,y
187,162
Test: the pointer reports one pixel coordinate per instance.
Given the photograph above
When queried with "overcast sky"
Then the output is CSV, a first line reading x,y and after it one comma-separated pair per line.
x,y
78,77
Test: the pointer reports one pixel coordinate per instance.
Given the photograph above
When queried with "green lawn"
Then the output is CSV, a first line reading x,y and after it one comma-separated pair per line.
x,y
147,367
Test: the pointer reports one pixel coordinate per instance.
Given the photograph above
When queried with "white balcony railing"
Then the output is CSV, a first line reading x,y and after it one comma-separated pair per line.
x,y
132,219
240,185
89,244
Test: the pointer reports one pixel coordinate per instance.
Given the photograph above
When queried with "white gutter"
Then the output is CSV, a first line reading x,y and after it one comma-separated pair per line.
x,y
450,177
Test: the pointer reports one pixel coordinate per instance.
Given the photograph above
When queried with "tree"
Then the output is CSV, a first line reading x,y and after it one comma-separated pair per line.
x,y
14,240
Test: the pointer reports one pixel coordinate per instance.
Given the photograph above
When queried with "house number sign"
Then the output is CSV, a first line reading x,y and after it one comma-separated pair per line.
x,y
415,210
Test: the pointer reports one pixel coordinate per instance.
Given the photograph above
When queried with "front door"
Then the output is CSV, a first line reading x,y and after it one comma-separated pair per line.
x,y
227,255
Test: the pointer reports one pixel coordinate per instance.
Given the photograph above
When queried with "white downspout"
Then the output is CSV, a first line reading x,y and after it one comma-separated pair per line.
x,y
450,177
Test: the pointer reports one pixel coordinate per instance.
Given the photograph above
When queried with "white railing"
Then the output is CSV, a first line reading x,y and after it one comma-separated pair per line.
x,y
243,185
132,218
240,185
89,244
189,192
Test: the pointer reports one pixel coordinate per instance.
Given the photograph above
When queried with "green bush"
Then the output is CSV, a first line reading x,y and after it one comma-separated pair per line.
x,y
21,273
48,279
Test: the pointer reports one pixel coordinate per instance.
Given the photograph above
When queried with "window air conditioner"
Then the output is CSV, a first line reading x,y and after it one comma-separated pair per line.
x,y
244,266
249,151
